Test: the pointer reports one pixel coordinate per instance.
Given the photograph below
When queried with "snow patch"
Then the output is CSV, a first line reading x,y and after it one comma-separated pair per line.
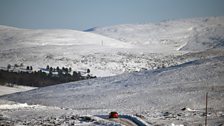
x,y
20,106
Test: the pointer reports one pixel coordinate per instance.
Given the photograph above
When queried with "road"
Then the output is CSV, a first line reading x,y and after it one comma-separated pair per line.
x,y
127,120
123,121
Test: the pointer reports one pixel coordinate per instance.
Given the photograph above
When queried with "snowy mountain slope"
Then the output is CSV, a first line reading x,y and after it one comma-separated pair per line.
x,y
80,50
164,89
25,37
129,48
196,34
68,48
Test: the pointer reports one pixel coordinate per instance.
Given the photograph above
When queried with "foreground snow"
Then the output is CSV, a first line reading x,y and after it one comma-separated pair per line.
x,y
45,115
20,114
156,94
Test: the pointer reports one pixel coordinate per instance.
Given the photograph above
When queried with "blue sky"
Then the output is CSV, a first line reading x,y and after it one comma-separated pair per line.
x,y
85,14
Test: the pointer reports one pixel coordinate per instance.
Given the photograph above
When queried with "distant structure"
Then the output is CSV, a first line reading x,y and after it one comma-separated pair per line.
x,y
102,42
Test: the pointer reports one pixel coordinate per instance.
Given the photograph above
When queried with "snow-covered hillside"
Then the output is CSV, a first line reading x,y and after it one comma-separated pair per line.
x,y
55,47
119,49
175,64
167,89
9,90
196,34
178,86
80,50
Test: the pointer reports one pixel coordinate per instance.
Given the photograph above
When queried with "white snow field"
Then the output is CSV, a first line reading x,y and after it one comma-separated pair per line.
x,y
158,94
184,83
195,34
162,73
16,88
126,48
68,48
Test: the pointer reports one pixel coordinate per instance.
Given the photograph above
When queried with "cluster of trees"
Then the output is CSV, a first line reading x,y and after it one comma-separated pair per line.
x,y
67,73
29,68
9,66
59,71
40,78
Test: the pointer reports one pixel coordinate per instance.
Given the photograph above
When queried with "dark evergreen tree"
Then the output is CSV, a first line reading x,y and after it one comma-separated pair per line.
x,y
8,66
74,74
70,69
48,67
66,71
63,69
57,69
51,69
60,73
88,70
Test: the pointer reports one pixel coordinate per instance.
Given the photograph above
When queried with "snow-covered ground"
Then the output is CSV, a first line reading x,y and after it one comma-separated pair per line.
x,y
69,48
111,50
16,88
162,73
157,94
15,114
195,34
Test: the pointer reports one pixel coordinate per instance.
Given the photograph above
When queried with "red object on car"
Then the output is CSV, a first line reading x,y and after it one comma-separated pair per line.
x,y
113,115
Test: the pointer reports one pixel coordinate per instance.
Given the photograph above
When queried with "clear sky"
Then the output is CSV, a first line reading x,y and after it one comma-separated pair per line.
x,y
85,14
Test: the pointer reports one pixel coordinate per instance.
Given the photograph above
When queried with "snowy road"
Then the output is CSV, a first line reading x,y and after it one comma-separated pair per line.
x,y
128,120
124,121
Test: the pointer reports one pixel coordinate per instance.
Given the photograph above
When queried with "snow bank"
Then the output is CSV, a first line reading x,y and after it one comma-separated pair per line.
x,y
19,106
